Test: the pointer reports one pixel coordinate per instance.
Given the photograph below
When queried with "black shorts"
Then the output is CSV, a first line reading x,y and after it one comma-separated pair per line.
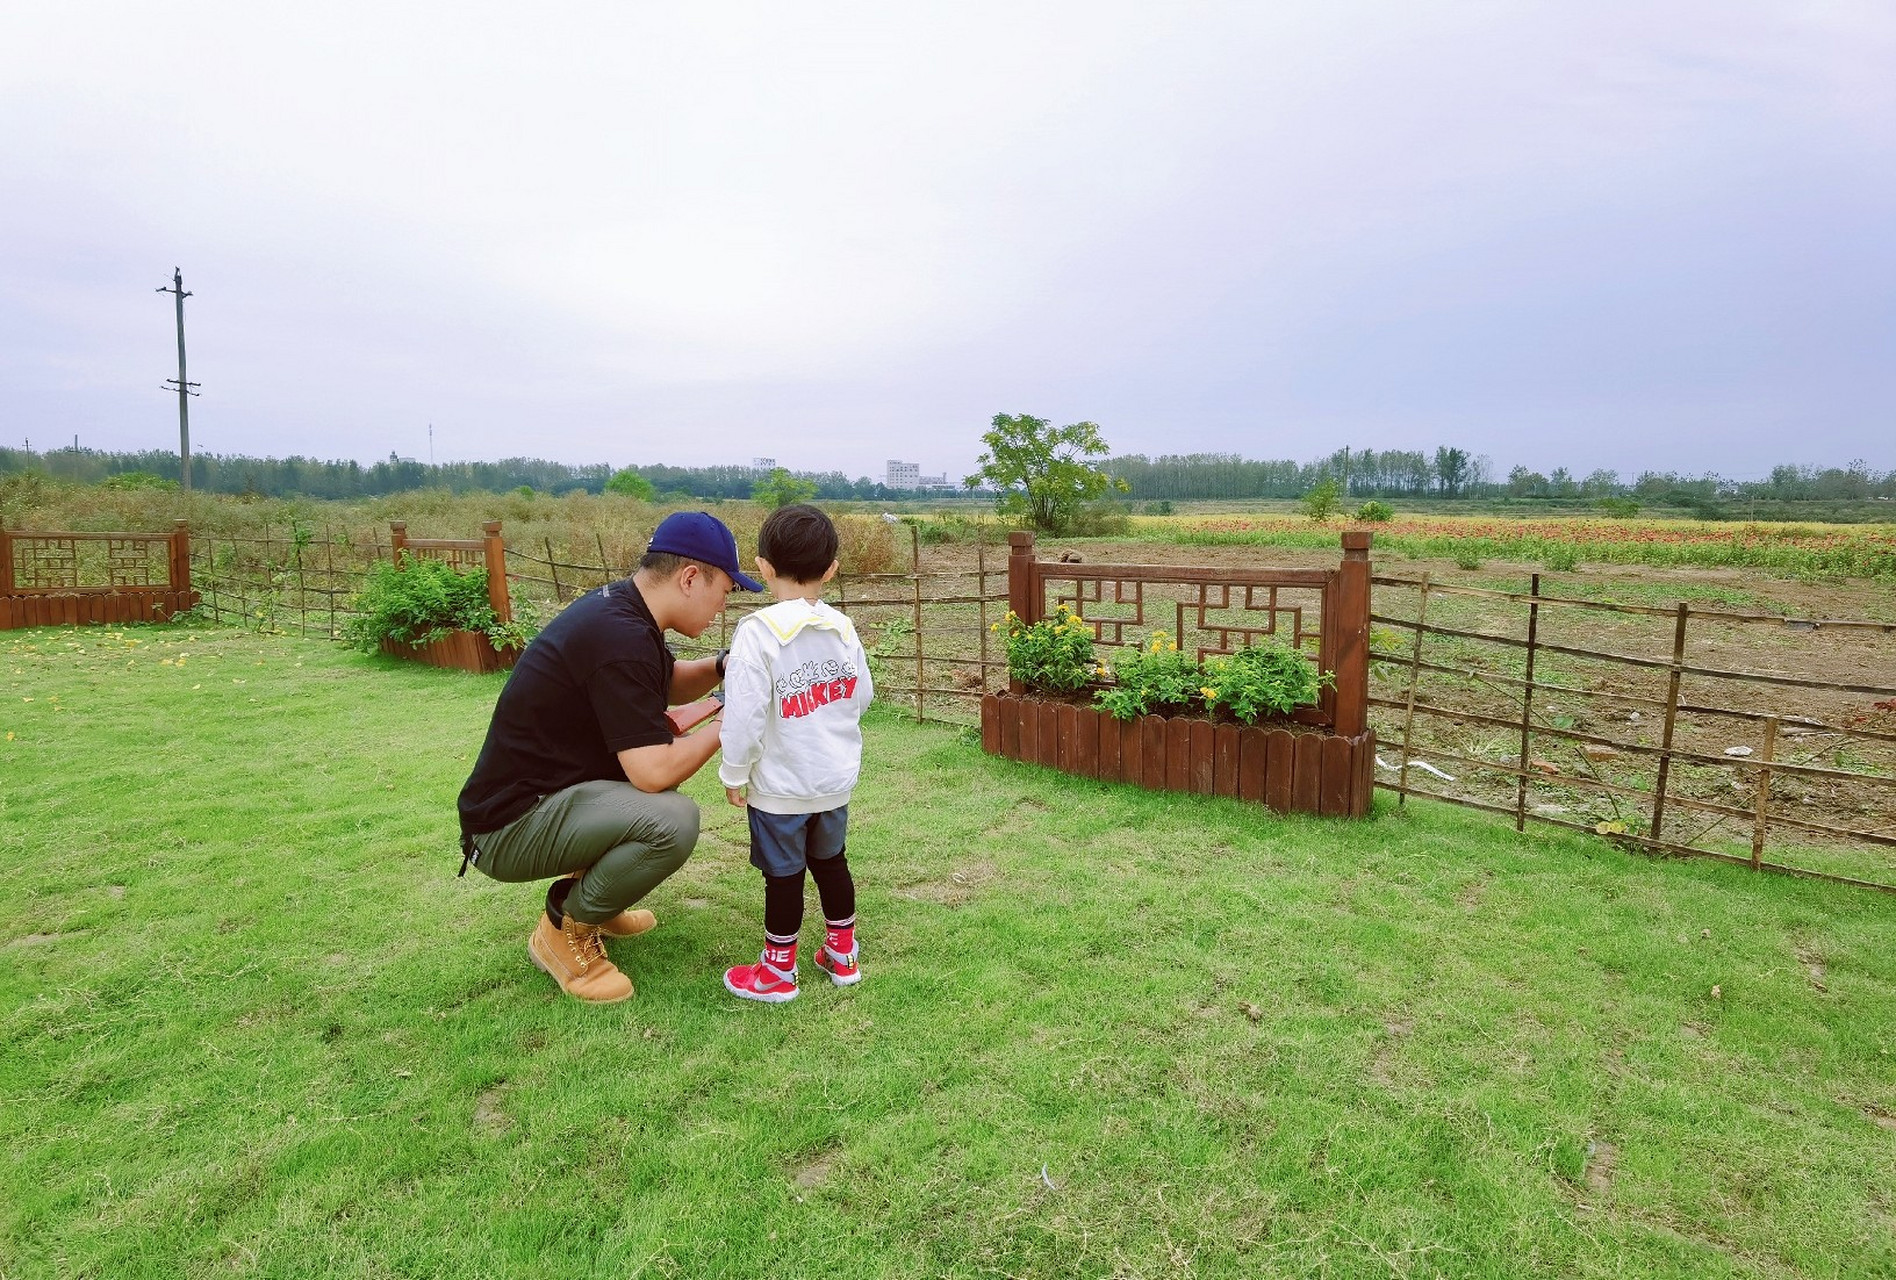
x,y
784,844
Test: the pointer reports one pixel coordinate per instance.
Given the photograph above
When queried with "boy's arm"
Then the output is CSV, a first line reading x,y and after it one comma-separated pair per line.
x,y
747,694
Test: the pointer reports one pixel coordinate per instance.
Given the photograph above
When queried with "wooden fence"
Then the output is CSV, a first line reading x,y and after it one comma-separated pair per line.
x,y
62,578
1677,750
1608,718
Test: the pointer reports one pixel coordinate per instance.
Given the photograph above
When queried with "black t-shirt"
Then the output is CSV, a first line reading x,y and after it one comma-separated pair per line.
x,y
595,682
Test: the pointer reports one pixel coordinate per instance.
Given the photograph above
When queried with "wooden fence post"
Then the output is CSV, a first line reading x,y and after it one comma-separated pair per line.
x,y
1527,706
915,567
397,541
1349,647
1415,672
497,594
1023,587
329,577
1672,715
181,558
1764,792
980,591
559,592
6,562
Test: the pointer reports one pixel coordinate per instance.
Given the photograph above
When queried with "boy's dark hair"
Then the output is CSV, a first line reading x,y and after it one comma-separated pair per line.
x,y
799,541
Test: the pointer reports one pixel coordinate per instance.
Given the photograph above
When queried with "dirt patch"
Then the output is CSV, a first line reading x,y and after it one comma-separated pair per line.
x,y
814,1173
489,1118
1881,1117
1382,1065
1813,966
960,885
115,891
34,939
1602,1163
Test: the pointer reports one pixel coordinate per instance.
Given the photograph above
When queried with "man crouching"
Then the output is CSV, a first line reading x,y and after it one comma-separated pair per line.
x,y
578,776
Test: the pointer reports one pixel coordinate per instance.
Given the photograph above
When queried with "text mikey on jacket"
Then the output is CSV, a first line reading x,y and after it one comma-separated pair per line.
x,y
795,687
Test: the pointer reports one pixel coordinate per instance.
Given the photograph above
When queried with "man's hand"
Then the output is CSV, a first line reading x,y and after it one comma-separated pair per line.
x,y
735,795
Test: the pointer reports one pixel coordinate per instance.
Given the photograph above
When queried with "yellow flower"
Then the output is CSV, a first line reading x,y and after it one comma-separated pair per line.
x,y
1211,694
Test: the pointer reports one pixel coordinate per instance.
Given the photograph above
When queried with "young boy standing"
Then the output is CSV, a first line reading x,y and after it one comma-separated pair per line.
x,y
795,687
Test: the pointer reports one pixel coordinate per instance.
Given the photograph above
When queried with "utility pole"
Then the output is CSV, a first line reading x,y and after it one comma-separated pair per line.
x,y
184,388
431,446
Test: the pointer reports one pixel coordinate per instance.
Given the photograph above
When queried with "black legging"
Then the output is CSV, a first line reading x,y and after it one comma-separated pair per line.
x,y
783,896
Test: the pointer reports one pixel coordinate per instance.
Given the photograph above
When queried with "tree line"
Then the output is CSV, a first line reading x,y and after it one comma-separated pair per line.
x,y
1409,475
342,479
1449,472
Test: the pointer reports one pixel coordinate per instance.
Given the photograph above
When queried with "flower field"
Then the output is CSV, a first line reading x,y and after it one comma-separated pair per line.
x,y
1857,551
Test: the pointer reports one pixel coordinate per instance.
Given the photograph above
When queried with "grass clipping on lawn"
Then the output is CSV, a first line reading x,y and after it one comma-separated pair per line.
x,y
252,1024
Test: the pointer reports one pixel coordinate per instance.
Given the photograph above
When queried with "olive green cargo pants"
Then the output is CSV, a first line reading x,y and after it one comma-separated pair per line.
x,y
627,842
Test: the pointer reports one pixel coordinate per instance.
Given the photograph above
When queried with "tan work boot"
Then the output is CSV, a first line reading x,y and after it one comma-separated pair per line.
x,y
626,924
573,955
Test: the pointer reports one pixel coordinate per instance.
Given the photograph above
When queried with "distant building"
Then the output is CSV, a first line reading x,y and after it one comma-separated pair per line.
x,y
908,475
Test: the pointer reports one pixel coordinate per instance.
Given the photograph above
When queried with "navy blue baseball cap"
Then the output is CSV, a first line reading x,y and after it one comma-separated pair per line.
x,y
699,535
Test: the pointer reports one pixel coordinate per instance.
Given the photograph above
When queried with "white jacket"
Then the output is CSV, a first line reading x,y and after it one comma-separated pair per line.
x,y
795,687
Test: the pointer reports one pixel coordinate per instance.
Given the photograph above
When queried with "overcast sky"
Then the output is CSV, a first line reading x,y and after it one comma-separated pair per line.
x,y
1622,233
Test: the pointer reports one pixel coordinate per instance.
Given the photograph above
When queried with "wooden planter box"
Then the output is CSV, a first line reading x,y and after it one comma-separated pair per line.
x,y
458,651
1312,772
76,608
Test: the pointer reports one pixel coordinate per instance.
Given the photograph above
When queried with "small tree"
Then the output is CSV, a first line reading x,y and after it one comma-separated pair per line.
x,y
632,485
780,489
1040,469
1451,468
1323,501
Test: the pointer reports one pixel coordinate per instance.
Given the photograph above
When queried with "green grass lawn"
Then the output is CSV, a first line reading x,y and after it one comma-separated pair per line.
x,y
250,1023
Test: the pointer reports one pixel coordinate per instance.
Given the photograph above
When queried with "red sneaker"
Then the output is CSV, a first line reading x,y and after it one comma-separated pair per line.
x,y
840,966
762,981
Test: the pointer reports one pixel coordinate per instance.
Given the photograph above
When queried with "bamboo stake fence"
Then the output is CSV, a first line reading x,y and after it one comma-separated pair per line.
x,y
1850,803
926,627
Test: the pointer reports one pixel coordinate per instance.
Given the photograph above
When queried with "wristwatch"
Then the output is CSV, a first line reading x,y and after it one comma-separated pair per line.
x,y
722,655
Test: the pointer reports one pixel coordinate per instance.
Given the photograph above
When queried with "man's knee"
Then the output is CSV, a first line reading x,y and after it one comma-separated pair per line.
x,y
675,824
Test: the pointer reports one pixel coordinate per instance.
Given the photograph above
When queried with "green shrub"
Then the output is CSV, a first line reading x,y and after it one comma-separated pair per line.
x,y
1054,654
422,602
1466,559
1561,558
1324,501
127,481
1156,679
1162,508
1100,520
1373,512
865,544
630,484
1262,680
1618,508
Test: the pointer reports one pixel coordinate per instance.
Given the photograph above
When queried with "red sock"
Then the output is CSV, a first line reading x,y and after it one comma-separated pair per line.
x,y
781,954
841,938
